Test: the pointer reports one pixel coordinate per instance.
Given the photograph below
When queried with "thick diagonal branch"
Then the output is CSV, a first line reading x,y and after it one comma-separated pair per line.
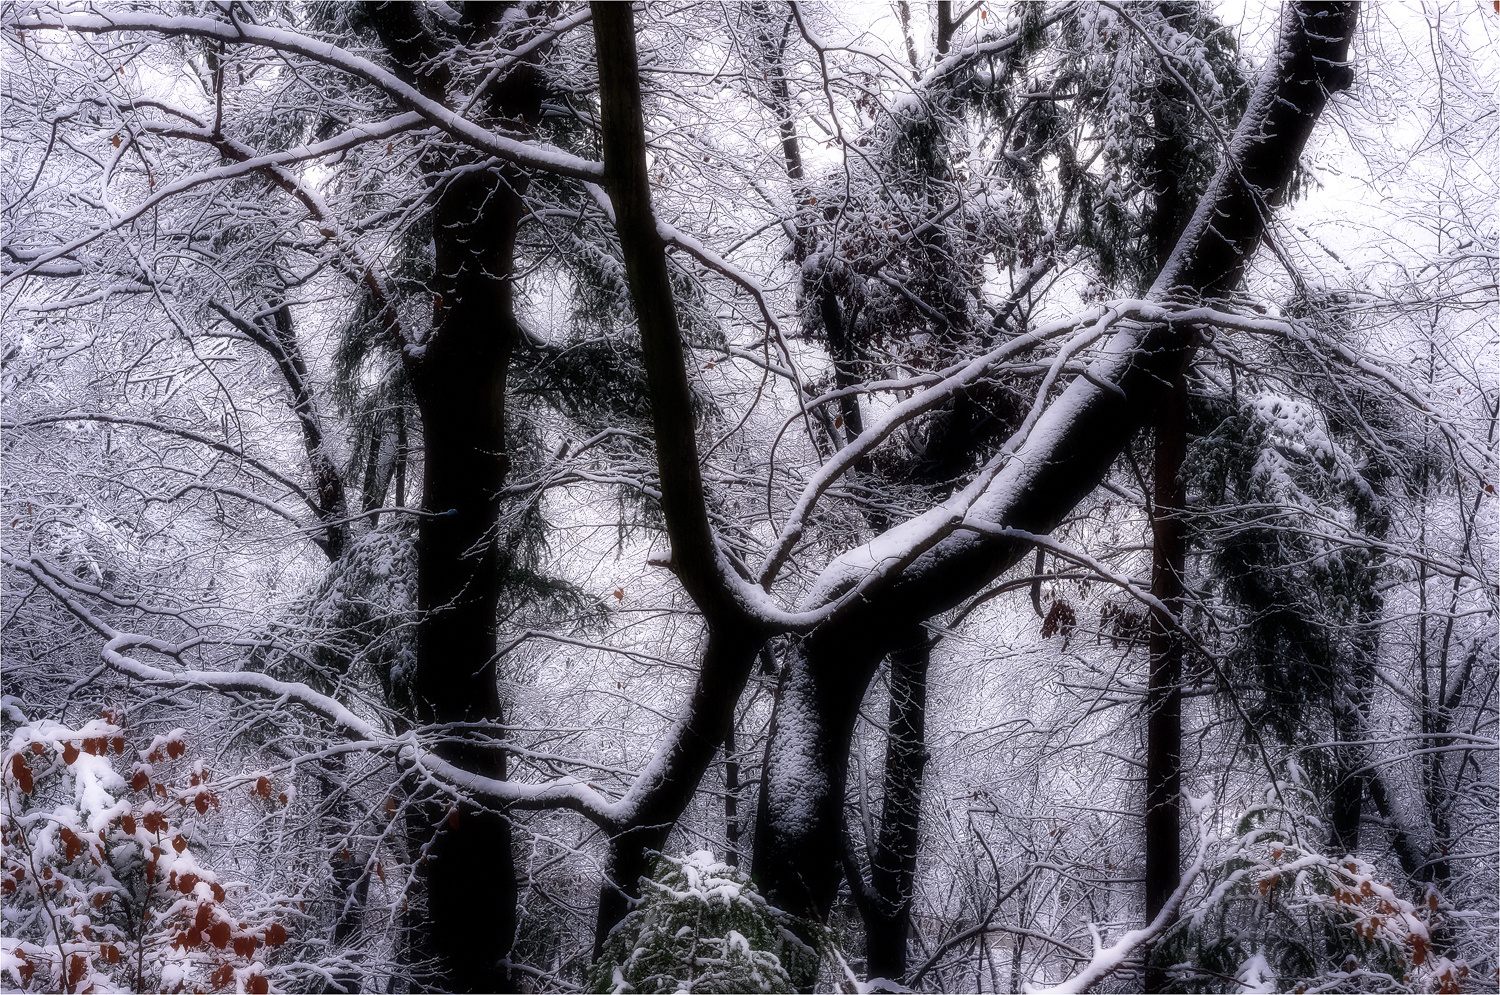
x,y
1067,453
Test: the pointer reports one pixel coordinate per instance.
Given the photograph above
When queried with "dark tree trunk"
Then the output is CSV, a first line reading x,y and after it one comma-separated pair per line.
x,y
836,327
895,865
1164,681
459,384
1352,762
1355,775
656,802
280,343
731,800
945,26
845,355
1164,678
1066,456
1346,805
654,806
458,379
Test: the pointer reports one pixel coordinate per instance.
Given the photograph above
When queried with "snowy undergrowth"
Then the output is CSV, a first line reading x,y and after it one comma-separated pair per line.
x,y
701,927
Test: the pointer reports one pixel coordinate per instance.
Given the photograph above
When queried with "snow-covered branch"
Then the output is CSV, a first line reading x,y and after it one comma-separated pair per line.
x,y
1108,960
532,155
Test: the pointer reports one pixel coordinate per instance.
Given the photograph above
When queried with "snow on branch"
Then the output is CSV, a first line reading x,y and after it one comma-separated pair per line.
x,y
166,429
1108,960
342,142
532,155
561,793
897,416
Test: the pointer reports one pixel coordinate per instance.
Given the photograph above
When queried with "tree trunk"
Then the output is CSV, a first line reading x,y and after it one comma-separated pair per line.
x,y
1164,682
458,379
655,805
280,342
731,800
895,866
1066,455
845,355
656,802
459,384
799,821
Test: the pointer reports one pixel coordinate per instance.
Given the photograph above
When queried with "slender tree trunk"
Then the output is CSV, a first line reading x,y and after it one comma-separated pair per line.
x,y
845,355
1351,763
1164,682
733,641
731,800
401,457
893,872
280,342
654,806
836,326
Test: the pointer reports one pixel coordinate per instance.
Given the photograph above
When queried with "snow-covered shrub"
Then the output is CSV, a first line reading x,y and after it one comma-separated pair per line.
x,y
103,882
701,927
1282,916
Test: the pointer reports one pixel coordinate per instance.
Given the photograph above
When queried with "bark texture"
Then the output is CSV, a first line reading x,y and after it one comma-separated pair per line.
x,y
458,378
1164,680
459,384
895,865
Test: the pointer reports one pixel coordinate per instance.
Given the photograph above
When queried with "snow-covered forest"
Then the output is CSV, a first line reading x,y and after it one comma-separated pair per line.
x,y
701,496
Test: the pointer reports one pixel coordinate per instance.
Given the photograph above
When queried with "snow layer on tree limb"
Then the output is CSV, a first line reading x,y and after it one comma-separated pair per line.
x,y
348,139
898,415
533,155
1108,960
564,793
1070,413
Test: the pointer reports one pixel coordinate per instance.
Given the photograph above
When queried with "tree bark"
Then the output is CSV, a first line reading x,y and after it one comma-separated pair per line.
x,y
459,385
799,820
731,799
1164,680
893,872
1171,197
1066,455
845,354
458,379
655,804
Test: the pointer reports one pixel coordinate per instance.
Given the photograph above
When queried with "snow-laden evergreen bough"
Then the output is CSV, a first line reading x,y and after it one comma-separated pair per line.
x,y
700,926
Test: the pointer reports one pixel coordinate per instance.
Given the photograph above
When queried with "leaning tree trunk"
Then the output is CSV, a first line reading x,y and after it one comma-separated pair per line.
x,y
733,639
1067,453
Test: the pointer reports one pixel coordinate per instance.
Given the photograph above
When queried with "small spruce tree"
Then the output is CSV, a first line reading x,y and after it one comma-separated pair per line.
x,y
701,927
